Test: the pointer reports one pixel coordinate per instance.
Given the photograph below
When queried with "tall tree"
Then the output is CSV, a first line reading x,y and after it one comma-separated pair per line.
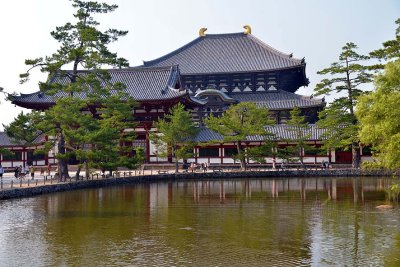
x,y
238,122
390,50
84,47
299,127
175,134
339,120
379,113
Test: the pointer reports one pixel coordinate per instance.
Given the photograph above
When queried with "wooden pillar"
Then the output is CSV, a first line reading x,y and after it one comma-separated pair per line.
x,y
147,149
330,156
23,157
222,153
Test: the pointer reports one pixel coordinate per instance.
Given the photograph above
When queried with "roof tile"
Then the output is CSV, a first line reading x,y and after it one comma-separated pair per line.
x,y
280,99
222,53
141,84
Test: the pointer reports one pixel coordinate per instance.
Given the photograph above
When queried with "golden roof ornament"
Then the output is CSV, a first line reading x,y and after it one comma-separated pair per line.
x,y
247,29
202,32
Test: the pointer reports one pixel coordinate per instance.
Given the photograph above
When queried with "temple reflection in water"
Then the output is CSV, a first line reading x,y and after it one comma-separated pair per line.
x,y
223,191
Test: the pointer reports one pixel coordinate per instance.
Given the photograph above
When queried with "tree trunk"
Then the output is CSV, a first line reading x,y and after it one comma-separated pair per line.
x,y
176,160
241,156
301,155
62,162
78,171
355,152
87,170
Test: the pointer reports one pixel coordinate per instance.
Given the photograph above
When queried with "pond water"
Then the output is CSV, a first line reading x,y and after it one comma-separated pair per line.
x,y
241,222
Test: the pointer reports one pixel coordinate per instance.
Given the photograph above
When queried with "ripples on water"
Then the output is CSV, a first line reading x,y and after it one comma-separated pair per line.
x,y
282,222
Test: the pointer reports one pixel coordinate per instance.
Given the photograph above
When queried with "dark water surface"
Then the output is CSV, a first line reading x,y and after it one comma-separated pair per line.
x,y
260,222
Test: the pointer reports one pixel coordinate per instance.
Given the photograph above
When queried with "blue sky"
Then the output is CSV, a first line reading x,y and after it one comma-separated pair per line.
x,y
312,29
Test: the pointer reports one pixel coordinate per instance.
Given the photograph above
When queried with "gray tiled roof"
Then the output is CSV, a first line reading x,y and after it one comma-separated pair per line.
x,y
222,53
142,84
285,132
280,131
6,141
206,135
275,100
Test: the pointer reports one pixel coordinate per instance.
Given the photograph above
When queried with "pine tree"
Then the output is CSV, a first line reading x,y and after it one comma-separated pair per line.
x,y
238,122
390,50
82,98
338,118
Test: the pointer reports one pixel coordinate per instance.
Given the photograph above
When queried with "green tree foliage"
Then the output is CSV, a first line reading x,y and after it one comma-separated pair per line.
x,y
299,127
346,77
175,134
258,153
90,108
238,122
379,113
24,128
390,50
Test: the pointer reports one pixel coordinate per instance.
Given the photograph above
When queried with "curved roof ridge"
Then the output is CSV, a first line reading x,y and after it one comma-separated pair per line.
x,y
127,69
272,49
226,53
170,54
152,68
217,35
194,41
29,94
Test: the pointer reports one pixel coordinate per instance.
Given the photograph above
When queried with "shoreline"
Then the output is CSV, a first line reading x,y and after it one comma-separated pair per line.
x,y
103,182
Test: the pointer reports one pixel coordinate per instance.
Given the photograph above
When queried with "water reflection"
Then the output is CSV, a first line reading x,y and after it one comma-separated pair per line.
x,y
283,222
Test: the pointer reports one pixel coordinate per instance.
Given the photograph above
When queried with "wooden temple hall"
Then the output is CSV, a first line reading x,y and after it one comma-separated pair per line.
x,y
208,75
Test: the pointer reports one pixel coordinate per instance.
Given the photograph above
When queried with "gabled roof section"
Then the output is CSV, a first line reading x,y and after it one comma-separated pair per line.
x,y
279,100
226,53
142,84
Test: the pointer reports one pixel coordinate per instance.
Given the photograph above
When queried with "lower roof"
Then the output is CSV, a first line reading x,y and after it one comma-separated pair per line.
x,y
279,100
142,84
280,132
6,141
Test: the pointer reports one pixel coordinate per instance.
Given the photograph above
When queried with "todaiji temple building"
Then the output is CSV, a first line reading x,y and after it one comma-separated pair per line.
x,y
207,75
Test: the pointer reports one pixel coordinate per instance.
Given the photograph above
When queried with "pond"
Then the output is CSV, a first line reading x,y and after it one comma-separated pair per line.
x,y
238,222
